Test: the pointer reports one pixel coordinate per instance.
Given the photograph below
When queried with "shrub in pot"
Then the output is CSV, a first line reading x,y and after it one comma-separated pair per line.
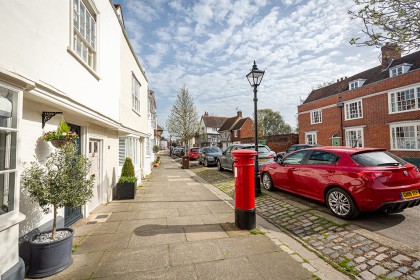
x,y
126,186
62,181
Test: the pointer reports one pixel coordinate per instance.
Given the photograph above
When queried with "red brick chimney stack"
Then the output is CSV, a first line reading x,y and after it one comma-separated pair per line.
x,y
206,114
239,114
389,52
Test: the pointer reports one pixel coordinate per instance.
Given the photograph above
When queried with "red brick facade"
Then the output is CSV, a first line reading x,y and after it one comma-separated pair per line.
x,y
376,120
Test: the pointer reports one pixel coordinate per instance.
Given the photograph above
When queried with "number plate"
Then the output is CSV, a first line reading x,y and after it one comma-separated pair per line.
x,y
261,160
410,194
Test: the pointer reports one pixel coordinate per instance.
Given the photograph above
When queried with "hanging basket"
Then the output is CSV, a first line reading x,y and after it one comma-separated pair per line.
x,y
58,143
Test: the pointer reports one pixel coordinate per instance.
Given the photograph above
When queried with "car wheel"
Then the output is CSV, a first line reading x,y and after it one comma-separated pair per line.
x,y
341,204
206,164
219,166
267,182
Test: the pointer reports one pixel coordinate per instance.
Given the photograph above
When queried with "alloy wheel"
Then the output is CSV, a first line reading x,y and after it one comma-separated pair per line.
x,y
339,203
267,182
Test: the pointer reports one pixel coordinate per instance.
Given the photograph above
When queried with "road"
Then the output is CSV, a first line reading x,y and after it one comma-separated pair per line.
x,y
401,227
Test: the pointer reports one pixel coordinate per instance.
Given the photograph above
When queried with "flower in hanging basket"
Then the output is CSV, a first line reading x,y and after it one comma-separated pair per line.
x,y
62,135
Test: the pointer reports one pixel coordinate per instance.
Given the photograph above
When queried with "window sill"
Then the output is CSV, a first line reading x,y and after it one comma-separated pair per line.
x,y
91,71
10,219
137,113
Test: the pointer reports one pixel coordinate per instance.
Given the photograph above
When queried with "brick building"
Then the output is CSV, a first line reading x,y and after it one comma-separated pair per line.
x,y
235,129
379,107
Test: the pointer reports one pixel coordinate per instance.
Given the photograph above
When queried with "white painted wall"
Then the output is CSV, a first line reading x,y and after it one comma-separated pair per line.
x,y
38,35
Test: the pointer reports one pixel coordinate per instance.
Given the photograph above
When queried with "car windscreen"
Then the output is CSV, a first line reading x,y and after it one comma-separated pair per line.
x,y
378,158
195,150
213,150
261,149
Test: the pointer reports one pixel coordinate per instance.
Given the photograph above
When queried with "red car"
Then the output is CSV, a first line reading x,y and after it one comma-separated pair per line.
x,y
348,180
194,153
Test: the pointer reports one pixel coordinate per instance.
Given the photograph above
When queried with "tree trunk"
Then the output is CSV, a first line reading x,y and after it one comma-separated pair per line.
x,y
54,222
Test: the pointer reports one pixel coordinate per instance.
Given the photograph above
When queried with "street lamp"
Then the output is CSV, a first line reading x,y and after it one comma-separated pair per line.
x,y
254,78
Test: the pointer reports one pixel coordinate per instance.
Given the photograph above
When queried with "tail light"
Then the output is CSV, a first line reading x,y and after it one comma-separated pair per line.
x,y
372,175
270,156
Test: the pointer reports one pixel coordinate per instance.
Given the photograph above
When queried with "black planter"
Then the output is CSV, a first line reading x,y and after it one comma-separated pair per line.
x,y
125,191
50,258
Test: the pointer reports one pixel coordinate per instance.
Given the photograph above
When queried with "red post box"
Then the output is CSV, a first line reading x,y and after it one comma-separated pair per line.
x,y
245,216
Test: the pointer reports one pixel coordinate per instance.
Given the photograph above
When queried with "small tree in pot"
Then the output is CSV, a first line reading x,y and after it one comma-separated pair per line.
x,y
62,181
126,186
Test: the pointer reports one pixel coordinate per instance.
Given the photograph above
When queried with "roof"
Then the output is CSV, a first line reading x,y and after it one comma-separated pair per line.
x,y
239,124
227,125
159,128
211,121
372,75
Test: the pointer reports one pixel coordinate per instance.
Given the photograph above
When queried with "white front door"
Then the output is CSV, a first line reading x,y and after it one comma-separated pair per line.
x,y
95,169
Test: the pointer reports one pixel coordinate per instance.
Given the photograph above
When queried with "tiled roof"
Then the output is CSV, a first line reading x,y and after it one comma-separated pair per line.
x,y
372,75
210,121
239,124
229,123
159,128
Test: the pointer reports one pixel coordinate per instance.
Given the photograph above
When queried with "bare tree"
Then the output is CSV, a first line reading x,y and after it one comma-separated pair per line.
x,y
394,21
183,120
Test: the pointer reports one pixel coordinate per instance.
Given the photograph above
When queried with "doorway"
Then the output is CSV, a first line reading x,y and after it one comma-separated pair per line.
x,y
95,170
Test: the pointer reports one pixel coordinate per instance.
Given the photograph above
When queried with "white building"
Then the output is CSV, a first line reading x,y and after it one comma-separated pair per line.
x,y
66,59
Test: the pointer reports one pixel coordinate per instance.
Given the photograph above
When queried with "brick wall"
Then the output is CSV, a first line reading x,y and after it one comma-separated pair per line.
x,y
376,118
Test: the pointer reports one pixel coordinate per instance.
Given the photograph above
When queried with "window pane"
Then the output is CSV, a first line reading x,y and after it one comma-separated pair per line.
x,y
7,186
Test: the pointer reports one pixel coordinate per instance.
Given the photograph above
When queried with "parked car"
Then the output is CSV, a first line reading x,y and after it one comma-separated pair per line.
x,y
179,151
348,180
271,151
292,148
193,153
209,155
225,160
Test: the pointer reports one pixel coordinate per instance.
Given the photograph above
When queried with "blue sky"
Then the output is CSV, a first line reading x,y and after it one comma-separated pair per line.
x,y
210,45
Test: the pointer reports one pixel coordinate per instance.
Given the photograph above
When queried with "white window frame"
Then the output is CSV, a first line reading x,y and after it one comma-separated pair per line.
x,y
311,138
399,70
128,147
135,94
148,149
347,107
316,116
84,39
9,126
355,142
409,104
356,84
409,143
235,133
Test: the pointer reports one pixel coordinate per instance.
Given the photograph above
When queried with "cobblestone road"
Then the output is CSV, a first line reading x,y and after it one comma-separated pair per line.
x,y
340,244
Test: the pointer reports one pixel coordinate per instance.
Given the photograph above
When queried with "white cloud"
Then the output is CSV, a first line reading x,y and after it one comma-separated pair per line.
x,y
209,45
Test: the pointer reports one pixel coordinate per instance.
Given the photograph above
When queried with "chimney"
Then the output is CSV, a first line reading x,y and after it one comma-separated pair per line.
x,y
206,114
239,114
389,52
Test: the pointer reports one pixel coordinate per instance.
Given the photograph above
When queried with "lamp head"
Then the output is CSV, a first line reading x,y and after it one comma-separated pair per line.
x,y
255,76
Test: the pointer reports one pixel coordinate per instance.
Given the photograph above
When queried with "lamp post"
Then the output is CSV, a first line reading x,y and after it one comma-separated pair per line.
x,y
254,78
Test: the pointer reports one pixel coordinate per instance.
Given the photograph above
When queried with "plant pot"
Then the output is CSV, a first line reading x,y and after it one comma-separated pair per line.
x,y
58,143
49,258
125,191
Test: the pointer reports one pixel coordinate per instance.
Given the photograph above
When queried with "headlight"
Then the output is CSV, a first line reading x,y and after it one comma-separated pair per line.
x,y
210,158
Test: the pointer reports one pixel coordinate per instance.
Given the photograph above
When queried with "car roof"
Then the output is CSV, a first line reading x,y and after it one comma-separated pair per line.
x,y
344,149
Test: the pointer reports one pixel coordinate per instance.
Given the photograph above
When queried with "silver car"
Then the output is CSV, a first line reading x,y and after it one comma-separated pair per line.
x,y
225,160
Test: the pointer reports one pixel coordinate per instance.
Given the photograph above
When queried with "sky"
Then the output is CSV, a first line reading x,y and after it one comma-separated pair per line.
x,y
210,45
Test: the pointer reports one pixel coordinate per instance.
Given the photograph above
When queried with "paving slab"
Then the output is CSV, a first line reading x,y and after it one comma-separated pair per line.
x,y
232,269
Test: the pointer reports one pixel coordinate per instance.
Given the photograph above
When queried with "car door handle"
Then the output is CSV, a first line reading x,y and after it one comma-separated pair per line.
x,y
293,169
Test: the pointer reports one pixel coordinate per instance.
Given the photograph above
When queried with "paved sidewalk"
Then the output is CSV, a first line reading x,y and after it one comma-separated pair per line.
x,y
179,227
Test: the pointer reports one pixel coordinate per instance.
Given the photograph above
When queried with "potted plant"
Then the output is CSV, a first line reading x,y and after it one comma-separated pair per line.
x,y
62,181
62,135
156,162
126,186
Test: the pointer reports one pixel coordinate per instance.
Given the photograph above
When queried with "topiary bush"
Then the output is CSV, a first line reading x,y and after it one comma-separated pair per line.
x,y
127,172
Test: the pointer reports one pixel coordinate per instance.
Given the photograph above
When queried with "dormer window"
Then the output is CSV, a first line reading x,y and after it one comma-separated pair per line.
x,y
356,84
399,69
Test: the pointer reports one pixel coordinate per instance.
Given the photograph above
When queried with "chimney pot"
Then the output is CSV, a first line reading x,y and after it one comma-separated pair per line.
x,y
239,114
338,80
